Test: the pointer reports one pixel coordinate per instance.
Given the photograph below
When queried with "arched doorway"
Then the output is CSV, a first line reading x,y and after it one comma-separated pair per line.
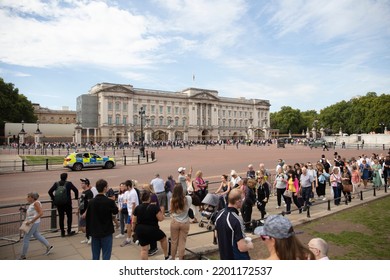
x,y
178,135
159,135
205,134
259,134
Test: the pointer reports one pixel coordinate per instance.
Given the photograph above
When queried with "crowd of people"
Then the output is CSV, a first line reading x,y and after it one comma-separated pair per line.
x,y
137,209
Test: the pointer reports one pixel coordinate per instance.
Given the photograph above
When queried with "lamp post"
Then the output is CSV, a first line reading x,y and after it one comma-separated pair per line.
x,y
142,148
382,124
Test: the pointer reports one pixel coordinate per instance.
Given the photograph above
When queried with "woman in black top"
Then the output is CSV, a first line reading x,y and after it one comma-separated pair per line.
x,y
145,224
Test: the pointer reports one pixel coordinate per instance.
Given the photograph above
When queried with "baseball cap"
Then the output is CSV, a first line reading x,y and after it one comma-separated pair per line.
x,y
85,180
181,169
276,226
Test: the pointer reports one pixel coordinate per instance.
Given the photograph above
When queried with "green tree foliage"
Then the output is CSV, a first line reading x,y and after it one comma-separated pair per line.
x,y
365,114
287,119
14,107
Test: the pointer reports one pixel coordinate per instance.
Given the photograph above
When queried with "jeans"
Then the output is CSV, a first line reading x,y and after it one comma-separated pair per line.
x,y
306,192
103,244
337,194
33,232
122,221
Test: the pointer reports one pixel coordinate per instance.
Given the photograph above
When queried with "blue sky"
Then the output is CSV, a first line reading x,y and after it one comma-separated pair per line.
x,y
303,54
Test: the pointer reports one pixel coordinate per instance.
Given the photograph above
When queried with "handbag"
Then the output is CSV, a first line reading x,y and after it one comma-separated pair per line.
x,y
24,227
288,193
195,199
347,188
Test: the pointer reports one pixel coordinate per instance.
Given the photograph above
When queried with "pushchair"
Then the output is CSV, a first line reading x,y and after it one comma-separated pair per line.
x,y
209,212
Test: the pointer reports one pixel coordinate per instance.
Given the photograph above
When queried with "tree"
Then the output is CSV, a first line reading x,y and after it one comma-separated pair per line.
x,y
14,107
287,120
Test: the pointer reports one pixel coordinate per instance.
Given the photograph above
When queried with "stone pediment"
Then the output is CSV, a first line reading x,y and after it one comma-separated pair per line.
x,y
263,103
118,88
204,96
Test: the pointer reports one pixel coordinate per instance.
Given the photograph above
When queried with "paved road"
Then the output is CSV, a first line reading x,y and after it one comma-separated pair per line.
x,y
213,161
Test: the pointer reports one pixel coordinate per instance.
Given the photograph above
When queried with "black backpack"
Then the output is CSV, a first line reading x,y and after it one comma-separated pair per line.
x,y
60,195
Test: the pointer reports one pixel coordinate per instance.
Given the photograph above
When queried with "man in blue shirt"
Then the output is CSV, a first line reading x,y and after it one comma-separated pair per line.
x,y
232,243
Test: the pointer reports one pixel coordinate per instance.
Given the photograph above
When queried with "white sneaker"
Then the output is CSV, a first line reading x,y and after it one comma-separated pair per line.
x,y
89,241
324,198
277,207
120,236
84,241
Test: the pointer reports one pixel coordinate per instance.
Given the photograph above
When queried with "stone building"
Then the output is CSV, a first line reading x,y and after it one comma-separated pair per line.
x,y
46,115
115,112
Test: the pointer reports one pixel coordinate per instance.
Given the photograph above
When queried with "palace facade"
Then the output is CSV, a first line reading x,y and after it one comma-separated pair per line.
x,y
116,112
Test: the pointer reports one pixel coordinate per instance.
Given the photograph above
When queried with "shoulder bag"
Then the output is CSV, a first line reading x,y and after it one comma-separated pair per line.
x,y
24,227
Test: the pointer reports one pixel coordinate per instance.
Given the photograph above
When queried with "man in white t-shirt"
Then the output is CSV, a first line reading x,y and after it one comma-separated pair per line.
x,y
132,201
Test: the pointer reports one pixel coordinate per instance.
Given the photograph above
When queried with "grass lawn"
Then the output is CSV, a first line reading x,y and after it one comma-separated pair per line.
x,y
359,233
41,160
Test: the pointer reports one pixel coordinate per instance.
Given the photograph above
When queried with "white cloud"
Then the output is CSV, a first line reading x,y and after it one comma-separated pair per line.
x,y
80,32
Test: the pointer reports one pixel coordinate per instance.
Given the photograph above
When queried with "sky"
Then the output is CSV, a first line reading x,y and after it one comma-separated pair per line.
x,y
304,54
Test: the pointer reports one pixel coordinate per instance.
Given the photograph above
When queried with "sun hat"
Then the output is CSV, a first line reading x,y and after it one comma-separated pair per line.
x,y
181,169
276,226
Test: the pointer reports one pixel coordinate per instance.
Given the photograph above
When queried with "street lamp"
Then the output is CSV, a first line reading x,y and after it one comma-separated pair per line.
x,y
382,124
142,148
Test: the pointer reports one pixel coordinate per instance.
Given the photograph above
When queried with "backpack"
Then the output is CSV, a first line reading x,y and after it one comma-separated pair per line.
x,y
60,195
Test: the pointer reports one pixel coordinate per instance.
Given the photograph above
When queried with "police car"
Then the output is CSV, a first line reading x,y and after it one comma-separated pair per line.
x,y
78,161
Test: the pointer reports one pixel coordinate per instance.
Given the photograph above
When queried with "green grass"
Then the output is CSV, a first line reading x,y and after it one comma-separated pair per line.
x,y
361,233
41,160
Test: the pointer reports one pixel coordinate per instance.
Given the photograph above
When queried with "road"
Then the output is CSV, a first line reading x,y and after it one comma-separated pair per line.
x,y
213,161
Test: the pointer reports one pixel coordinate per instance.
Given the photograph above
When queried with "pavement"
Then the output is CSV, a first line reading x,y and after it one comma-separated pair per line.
x,y
199,241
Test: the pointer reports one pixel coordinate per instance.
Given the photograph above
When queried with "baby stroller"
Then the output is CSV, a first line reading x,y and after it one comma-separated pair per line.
x,y
210,209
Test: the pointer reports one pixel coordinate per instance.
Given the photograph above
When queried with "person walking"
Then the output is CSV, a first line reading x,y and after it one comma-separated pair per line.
x,y
280,184
99,222
307,184
229,226
60,194
33,217
180,223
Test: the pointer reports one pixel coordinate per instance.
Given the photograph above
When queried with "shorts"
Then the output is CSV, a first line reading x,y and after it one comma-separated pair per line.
x,y
82,222
128,221
148,234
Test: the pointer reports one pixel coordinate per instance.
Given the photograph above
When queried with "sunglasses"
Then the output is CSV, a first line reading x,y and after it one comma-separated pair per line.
x,y
265,237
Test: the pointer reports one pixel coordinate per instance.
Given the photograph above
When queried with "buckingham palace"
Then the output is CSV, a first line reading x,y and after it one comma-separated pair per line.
x,y
116,112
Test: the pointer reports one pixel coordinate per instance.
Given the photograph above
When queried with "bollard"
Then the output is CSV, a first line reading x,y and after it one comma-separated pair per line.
x,y
328,205
346,199
124,159
358,146
147,156
47,164
53,218
308,212
383,146
23,164
138,159
385,188
361,195
374,191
